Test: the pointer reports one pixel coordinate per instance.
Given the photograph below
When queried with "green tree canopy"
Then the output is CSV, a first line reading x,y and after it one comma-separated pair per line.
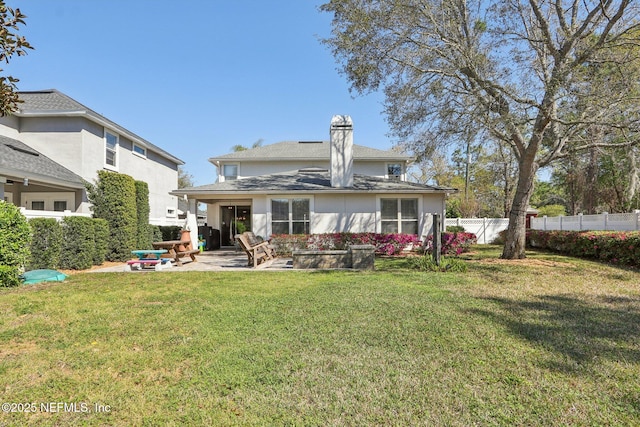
x,y
510,68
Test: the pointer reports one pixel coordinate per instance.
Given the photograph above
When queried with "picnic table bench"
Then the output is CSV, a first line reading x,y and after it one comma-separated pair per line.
x,y
148,258
176,249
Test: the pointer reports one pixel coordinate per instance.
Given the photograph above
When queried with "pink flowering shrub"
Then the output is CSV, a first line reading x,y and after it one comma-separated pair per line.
x,y
453,243
385,244
617,247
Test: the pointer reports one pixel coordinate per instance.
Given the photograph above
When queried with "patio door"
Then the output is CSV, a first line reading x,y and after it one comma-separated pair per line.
x,y
234,219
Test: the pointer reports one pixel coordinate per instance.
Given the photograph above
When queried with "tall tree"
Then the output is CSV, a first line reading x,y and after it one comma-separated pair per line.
x,y
10,44
508,67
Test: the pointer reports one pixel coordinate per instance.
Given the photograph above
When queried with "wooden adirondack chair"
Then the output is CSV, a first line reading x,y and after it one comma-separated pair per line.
x,y
253,241
256,254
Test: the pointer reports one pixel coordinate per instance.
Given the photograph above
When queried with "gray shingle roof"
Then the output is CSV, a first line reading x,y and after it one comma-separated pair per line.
x,y
20,160
301,150
51,102
309,181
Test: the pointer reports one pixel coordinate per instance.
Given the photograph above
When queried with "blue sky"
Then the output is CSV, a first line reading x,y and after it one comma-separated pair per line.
x,y
196,77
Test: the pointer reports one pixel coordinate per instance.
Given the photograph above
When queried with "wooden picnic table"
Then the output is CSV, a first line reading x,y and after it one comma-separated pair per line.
x,y
177,249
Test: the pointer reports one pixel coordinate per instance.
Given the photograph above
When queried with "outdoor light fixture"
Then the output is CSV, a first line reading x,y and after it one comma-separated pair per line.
x,y
25,182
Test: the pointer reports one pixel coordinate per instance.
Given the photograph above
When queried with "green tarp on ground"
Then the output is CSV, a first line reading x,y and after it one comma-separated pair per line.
x,y
37,276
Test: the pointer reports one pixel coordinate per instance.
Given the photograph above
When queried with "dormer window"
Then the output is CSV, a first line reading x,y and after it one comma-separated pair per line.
x,y
230,172
395,171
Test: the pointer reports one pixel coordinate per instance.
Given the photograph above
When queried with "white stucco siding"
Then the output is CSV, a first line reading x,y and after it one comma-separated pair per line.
x,y
59,138
344,213
9,126
161,178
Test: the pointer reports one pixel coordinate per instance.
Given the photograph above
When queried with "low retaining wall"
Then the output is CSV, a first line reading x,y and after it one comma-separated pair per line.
x,y
358,257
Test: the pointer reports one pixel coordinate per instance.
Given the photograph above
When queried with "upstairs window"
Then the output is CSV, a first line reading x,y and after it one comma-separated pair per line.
x,y
139,150
111,150
230,172
394,171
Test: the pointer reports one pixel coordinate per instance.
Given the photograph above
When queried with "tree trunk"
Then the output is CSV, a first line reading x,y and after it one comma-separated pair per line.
x,y
514,247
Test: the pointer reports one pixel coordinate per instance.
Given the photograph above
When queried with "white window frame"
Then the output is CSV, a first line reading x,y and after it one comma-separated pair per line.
x,y
115,150
290,198
223,177
399,210
142,150
398,177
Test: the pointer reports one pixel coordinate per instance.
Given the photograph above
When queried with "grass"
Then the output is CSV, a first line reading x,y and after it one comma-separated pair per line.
x,y
546,341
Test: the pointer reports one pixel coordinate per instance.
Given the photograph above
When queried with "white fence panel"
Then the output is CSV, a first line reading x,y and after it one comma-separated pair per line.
x,y
29,213
604,221
485,229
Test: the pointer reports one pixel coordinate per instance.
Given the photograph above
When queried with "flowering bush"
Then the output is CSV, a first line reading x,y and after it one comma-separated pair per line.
x,y
453,243
385,244
616,247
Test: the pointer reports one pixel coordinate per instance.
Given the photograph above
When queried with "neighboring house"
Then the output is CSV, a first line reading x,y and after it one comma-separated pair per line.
x,y
317,187
82,142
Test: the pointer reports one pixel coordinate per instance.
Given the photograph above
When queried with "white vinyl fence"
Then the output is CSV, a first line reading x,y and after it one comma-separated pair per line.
x,y
604,221
485,229
28,213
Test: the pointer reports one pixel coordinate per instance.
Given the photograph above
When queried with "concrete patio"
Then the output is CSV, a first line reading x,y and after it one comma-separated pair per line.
x,y
219,260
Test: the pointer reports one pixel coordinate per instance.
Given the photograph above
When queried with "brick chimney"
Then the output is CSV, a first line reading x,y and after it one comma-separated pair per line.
x,y
341,154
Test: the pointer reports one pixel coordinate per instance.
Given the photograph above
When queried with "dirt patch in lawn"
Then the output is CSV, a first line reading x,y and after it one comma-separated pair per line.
x,y
93,267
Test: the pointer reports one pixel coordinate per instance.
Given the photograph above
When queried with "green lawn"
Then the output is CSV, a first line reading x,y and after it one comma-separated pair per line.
x,y
547,341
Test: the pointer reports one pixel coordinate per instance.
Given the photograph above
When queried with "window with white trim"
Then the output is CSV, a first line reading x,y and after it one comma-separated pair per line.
x,y
139,150
230,172
111,150
37,205
399,215
395,171
290,216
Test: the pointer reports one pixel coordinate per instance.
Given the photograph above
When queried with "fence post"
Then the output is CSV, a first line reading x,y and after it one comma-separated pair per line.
x,y
580,221
437,236
605,218
459,222
561,222
637,212
544,222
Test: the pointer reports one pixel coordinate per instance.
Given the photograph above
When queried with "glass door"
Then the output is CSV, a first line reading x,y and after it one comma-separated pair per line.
x,y
233,220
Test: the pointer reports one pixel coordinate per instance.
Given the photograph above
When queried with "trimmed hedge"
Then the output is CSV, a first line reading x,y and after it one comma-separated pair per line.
x,y
114,199
46,243
15,240
79,243
617,247
101,238
169,232
145,233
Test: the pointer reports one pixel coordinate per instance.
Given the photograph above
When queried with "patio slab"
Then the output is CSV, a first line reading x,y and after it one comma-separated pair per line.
x,y
219,260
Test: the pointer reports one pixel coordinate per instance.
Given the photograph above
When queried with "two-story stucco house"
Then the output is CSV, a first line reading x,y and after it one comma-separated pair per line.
x,y
317,187
76,143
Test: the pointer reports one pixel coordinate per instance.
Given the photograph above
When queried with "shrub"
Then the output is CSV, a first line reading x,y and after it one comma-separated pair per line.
x,y
385,244
46,243
455,229
79,243
156,234
426,263
453,243
15,240
144,235
101,238
114,199
552,210
616,247
169,232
